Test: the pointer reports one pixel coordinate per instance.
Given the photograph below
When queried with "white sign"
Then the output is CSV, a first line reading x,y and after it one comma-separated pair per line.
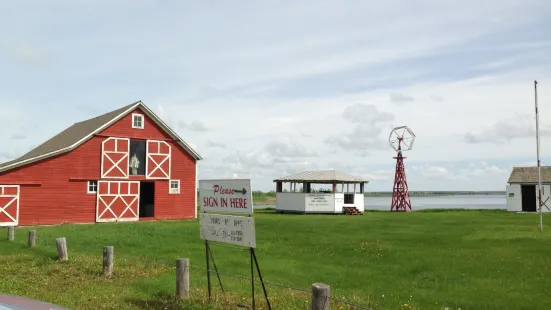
x,y
238,230
230,195
319,200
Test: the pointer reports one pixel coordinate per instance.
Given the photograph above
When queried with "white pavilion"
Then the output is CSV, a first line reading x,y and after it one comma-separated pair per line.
x,y
346,195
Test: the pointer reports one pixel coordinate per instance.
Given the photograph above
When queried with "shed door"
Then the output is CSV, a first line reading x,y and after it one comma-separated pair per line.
x,y
114,158
9,205
158,160
117,201
514,197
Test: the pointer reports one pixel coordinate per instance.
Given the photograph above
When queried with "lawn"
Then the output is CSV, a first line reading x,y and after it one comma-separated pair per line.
x,y
427,260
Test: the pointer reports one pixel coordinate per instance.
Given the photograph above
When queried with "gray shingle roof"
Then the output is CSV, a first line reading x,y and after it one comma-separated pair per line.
x,y
68,139
322,176
530,175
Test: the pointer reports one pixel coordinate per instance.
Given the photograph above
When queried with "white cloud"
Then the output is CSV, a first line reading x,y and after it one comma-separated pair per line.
x,y
367,131
196,125
216,144
436,172
400,98
504,130
483,168
27,54
288,148
378,175
18,136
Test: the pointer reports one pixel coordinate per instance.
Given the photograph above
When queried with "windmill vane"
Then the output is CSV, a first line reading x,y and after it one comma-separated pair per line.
x,y
400,139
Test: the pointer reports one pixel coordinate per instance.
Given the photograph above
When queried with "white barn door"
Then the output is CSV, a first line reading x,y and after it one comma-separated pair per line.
x,y
118,201
158,162
114,158
9,205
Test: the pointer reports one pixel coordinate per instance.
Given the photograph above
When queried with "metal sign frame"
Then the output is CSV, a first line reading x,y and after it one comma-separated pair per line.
x,y
252,254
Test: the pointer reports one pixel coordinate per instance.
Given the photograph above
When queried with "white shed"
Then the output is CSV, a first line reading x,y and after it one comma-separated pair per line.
x,y
345,196
522,189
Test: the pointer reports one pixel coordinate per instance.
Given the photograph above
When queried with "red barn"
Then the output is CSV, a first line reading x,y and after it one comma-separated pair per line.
x,y
126,165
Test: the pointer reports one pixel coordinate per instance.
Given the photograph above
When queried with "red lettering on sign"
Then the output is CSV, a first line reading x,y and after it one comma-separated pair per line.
x,y
238,203
210,202
224,202
223,191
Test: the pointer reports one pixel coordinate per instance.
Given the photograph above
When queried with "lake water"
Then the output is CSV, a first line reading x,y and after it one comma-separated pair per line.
x,y
438,202
442,202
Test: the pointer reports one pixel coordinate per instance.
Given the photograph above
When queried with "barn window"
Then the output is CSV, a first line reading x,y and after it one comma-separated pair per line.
x,y
174,187
92,187
137,157
137,121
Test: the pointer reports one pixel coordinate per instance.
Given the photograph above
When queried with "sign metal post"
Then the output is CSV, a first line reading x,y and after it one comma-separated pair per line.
x,y
229,196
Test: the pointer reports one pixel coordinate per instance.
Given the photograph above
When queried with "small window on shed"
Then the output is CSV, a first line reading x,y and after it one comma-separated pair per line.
x,y
92,187
174,187
137,121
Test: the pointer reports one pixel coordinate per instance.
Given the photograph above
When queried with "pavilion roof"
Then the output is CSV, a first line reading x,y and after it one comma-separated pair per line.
x,y
322,176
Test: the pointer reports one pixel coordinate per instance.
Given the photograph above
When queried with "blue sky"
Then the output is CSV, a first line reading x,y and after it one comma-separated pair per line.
x,y
268,88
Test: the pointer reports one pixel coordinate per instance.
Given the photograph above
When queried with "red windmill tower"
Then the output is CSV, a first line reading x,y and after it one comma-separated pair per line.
x,y
400,139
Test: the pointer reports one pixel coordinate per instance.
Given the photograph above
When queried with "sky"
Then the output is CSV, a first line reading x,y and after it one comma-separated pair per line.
x,y
265,89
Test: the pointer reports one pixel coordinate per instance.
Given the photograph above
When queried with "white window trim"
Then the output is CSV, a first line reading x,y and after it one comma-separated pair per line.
x,y
141,116
171,190
88,187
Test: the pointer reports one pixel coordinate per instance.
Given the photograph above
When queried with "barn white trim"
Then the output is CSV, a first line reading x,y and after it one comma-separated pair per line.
x,y
104,154
157,152
142,120
174,191
195,189
15,199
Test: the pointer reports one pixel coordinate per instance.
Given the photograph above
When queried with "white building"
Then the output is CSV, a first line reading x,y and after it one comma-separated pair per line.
x,y
346,195
522,189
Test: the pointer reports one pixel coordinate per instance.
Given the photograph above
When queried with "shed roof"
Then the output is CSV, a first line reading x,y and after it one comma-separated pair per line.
x,y
80,132
322,176
530,175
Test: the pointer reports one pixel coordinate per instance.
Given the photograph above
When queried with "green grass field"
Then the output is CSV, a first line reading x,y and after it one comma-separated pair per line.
x,y
427,260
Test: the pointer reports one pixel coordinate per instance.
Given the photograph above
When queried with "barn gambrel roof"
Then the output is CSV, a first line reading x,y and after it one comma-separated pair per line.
x,y
79,133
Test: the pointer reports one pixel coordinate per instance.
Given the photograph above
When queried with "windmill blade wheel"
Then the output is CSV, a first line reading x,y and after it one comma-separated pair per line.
x,y
398,137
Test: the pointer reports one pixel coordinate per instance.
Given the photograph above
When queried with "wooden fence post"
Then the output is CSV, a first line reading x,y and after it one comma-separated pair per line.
x,y
32,238
61,244
321,295
108,253
11,230
182,277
